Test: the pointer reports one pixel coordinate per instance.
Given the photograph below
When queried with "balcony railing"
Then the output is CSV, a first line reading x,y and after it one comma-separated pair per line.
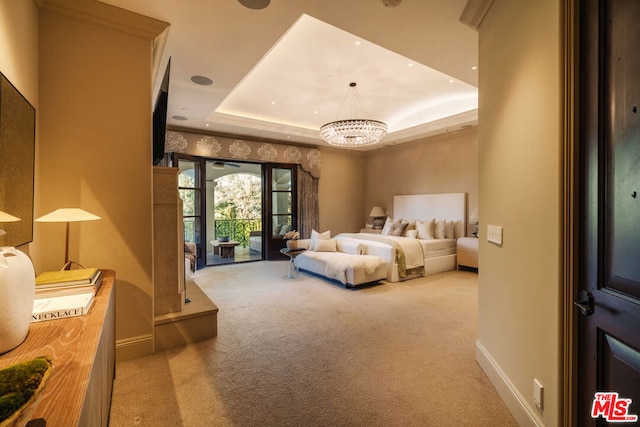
x,y
237,229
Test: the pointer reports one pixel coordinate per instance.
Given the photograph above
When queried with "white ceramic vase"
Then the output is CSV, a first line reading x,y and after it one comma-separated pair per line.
x,y
17,291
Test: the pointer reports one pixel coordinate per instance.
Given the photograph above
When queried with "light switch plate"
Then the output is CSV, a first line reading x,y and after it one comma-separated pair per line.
x,y
494,234
538,390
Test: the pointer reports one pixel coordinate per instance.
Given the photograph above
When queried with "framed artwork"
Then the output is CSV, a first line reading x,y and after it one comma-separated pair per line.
x,y
17,162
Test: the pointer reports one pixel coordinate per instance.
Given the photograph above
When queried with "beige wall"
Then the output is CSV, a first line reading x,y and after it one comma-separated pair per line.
x,y
95,153
340,195
445,163
19,58
520,154
19,46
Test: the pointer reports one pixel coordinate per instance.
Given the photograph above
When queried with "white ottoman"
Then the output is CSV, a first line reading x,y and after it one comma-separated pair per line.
x,y
467,248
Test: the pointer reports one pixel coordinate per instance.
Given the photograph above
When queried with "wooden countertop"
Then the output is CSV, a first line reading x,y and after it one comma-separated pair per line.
x,y
71,344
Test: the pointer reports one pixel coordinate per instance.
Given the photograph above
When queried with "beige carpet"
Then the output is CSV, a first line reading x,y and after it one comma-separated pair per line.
x,y
307,352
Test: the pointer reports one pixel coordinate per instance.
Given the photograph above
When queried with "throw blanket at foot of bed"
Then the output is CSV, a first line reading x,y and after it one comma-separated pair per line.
x,y
409,255
347,269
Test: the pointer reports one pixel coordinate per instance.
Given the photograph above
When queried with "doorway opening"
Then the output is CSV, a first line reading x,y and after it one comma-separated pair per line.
x,y
233,193
236,211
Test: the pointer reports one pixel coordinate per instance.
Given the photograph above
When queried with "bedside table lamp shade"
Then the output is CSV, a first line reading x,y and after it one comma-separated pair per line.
x,y
378,215
5,217
67,215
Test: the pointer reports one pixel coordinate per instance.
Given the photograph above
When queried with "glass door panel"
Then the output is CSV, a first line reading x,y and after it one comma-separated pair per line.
x,y
282,202
189,188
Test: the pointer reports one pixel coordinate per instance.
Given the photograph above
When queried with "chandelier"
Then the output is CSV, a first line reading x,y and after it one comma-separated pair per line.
x,y
351,133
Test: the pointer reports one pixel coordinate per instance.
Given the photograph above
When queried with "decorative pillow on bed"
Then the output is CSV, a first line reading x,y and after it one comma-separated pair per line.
x,y
411,226
325,245
425,228
388,223
411,234
315,236
449,230
394,227
438,231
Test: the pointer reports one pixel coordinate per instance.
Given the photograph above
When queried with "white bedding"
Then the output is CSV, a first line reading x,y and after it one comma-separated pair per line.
x,y
406,257
429,245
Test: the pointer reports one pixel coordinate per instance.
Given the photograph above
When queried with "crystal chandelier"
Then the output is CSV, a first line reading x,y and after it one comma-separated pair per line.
x,y
355,132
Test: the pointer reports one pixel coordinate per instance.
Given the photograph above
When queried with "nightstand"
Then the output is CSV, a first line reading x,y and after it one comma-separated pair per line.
x,y
467,251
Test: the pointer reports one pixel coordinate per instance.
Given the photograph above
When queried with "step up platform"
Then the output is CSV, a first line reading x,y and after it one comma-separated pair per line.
x,y
198,321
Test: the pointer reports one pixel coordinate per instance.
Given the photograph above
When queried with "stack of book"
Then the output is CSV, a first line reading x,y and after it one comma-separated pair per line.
x,y
65,293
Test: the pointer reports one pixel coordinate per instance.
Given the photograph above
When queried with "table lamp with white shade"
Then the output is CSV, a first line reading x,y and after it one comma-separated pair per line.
x,y
68,215
378,214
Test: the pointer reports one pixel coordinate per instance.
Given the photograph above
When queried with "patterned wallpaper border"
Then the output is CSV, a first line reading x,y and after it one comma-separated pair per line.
x,y
239,149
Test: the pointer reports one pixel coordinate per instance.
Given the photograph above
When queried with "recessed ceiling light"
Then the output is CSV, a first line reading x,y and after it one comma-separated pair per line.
x,y
475,67
179,118
451,81
255,4
273,102
206,124
410,64
358,42
202,80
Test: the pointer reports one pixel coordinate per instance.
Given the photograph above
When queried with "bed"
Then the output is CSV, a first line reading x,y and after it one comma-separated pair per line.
x,y
412,255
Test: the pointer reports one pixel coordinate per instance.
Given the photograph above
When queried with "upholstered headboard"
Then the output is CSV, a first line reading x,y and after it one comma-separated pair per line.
x,y
447,206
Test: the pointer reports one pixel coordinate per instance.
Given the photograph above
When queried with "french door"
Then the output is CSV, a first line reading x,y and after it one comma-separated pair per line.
x,y
190,187
279,204
281,207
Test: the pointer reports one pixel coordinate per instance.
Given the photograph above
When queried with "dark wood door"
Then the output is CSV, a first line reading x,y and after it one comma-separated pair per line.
x,y
609,212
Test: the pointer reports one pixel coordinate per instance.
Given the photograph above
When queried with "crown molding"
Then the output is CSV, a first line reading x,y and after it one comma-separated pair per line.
x,y
474,12
108,16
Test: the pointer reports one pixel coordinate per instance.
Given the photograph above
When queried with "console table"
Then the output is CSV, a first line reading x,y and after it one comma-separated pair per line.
x,y
82,351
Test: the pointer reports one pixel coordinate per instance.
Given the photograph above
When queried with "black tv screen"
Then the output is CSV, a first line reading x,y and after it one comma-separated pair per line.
x,y
160,118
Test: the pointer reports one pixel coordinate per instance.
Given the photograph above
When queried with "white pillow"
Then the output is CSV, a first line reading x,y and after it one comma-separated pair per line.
x,y
425,228
315,236
411,234
411,226
325,245
388,223
449,230
438,232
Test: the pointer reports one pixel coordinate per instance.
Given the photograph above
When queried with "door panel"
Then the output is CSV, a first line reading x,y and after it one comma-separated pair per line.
x,y
190,190
609,234
281,197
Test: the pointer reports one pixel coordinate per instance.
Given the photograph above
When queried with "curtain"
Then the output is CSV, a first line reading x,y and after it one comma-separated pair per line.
x,y
308,212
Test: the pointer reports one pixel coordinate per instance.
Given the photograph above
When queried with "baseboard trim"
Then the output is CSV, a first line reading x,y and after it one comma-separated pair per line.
x,y
134,347
516,403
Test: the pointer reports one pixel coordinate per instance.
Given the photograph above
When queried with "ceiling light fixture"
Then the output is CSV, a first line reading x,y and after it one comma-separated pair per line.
x,y
202,80
351,133
391,3
255,4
